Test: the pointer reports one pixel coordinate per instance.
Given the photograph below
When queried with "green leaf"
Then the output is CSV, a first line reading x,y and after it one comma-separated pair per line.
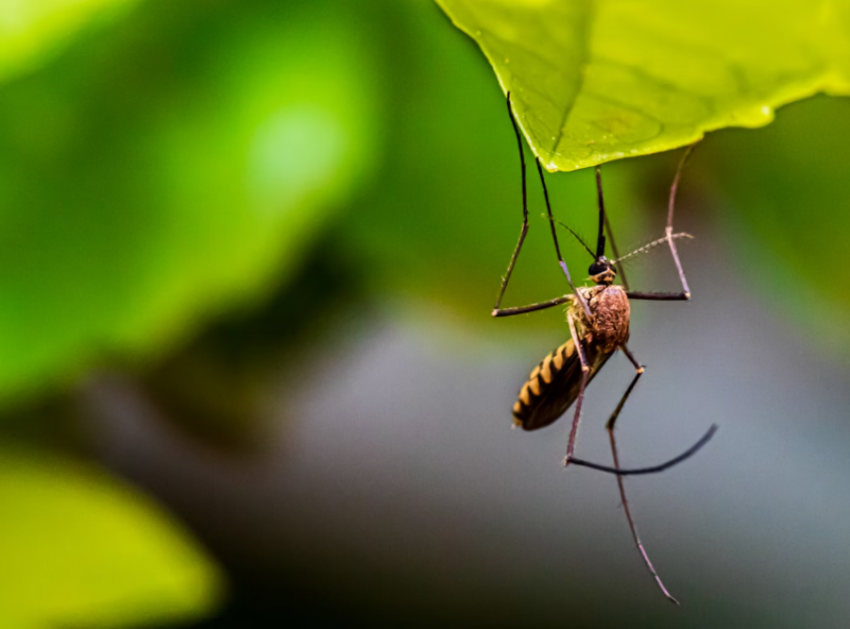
x,y
172,169
597,81
31,31
81,550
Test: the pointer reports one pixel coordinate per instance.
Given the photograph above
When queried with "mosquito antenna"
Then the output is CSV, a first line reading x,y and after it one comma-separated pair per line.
x,y
600,241
579,238
655,468
652,244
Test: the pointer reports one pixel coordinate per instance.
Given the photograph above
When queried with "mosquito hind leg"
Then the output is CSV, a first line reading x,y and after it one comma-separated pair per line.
x,y
630,519
610,427
620,481
654,469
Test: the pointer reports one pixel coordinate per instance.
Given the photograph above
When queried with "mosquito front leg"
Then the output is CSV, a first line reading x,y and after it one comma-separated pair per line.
x,y
563,264
498,311
515,310
524,230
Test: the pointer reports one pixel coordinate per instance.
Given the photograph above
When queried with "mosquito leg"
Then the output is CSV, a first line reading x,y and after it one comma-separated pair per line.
x,y
524,229
655,468
670,238
620,481
639,369
585,375
642,470
670,209
515,310
507,312
607,223
660,296
620,270
632,527
563,264
571,322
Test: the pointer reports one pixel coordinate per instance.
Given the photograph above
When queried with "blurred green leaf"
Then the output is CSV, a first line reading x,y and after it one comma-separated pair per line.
x,y
171,168
596,81
31,31
81,550
784,197
223,388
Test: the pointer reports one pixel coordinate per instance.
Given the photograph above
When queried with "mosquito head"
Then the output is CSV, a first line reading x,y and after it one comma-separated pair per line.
x,y
602,271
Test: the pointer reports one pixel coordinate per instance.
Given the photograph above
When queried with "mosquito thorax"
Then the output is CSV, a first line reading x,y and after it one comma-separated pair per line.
x,y
602,271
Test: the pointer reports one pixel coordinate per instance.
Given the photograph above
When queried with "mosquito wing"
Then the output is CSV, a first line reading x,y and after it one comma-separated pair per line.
x,y
554,384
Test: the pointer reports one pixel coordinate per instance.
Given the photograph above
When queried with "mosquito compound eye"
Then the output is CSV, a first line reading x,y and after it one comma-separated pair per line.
x,y
596,268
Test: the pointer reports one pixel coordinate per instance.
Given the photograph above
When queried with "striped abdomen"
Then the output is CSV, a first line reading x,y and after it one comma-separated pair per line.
x,y
553,385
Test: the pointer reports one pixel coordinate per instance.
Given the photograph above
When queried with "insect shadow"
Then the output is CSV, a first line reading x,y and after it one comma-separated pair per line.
x,y
598,318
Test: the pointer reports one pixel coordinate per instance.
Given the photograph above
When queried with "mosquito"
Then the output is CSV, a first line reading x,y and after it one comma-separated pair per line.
x,y
598,319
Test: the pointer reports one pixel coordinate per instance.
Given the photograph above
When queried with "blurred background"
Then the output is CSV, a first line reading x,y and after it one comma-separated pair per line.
x,y
248,253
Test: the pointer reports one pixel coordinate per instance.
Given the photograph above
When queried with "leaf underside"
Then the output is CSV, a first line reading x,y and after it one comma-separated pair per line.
x,y
592,82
